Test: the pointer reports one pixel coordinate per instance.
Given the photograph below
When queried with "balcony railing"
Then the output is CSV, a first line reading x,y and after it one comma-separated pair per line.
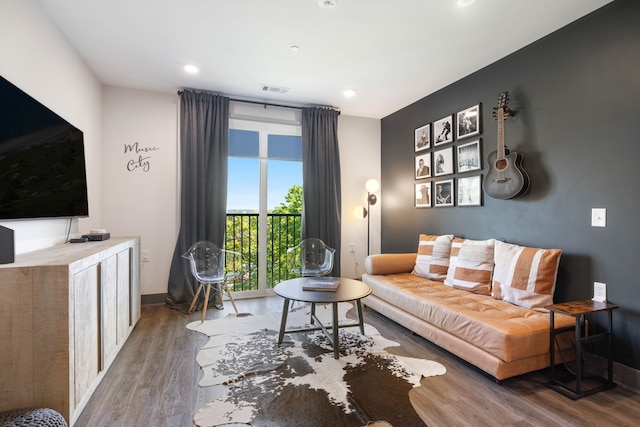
x,y
242,235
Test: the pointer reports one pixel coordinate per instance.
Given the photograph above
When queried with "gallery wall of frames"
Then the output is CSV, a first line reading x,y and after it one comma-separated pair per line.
x,y
448,161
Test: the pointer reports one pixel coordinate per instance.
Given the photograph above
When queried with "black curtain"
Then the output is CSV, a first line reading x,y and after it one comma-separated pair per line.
x,y
204,148
321,204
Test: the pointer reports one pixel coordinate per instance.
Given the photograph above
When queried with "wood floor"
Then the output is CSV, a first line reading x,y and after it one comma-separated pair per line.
x,y
154,382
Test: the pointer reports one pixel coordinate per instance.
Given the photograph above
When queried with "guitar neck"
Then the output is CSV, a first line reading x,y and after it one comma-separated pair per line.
x,y
500,116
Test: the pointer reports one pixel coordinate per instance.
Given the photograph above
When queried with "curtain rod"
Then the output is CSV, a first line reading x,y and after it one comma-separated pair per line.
x,y
267,104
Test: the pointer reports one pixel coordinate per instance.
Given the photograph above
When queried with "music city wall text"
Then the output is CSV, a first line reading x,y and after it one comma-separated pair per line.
x,y
142,162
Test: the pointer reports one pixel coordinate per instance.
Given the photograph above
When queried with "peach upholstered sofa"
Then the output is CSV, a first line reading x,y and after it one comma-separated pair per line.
x,y
482,300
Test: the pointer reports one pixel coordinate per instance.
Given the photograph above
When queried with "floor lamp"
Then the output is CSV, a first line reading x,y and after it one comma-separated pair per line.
x,y
361,212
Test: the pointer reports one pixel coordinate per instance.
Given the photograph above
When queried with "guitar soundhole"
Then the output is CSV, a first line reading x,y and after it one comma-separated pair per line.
x,y
501,164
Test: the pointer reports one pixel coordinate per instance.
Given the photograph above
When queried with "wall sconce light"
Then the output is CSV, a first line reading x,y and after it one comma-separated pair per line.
x,y
361,212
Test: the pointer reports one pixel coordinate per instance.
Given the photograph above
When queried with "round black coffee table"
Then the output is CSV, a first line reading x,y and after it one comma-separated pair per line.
x,y
347,290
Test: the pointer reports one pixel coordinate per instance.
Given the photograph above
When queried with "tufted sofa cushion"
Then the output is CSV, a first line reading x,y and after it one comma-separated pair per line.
x,y
502,329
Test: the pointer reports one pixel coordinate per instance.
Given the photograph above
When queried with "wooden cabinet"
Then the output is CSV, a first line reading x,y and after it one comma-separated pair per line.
x,y
67,311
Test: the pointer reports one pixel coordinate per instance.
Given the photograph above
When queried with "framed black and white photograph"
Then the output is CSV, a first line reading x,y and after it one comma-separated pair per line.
x,y
470,191
423,166
443,131
468,122
423,137
443,195
423,195
468,156
443,162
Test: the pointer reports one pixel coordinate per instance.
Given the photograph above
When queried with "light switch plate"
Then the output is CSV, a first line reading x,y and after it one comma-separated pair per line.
x,y
599,217
599,292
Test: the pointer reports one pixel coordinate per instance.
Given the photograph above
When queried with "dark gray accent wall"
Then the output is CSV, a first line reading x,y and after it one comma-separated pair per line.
x,y
576,95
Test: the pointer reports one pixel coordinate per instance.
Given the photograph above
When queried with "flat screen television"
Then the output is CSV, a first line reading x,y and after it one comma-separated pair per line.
x,y
42,164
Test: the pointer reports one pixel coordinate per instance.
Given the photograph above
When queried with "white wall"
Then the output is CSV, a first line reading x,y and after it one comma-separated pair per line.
x,y
147,203
140,181
36,58
359,140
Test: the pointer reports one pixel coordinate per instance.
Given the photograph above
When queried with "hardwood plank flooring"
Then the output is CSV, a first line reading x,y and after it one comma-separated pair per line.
x,y
154,382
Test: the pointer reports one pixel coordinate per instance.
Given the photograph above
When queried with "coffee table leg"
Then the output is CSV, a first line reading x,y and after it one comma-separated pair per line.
x,y
360,317
283,321
336,349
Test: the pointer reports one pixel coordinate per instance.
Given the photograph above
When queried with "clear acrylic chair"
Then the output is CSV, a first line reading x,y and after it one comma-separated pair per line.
x,y
311,258
212,267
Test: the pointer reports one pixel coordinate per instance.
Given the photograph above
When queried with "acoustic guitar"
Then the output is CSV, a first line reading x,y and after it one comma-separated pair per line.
x,y
506,178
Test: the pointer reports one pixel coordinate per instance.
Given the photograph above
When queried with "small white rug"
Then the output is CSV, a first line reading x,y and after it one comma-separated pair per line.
x,y
300,382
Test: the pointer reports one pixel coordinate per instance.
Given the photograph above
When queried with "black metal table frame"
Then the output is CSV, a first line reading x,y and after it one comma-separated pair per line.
x,y
349,291
332,335
559,385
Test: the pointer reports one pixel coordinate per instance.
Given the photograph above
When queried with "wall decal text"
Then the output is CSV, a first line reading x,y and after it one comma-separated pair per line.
x,y
143,160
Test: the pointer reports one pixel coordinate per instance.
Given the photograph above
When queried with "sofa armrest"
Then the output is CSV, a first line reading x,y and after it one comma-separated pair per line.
x,y
389,263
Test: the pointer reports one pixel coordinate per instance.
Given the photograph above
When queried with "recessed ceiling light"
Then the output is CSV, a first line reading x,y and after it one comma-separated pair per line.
x,y
295,48
191,69
463,3
327,3
349,93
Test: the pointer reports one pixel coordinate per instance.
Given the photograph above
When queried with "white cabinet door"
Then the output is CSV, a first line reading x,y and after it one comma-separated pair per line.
x,y
86,331
109,287
124,296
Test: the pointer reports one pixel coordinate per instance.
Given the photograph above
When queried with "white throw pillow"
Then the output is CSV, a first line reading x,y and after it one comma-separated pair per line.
x,y
525,276
470,269
432,261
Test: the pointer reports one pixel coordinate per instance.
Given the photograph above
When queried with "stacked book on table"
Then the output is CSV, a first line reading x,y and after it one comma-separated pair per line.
x,y
328,284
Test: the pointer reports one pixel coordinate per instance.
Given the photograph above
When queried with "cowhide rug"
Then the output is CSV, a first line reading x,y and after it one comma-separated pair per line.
x,y
300,383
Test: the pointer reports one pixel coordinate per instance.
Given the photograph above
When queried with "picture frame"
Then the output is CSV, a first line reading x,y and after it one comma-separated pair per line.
x,y
443,131
423,166
468,122
443,162
443,193
468,156
470,191
423,194
422,137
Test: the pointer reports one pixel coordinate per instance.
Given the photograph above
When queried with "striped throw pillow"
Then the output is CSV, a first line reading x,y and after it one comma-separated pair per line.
x,y
471,265
456,244
525,276
432,261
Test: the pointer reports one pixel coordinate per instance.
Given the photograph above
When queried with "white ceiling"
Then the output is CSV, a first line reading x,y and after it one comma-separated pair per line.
x,y
391,53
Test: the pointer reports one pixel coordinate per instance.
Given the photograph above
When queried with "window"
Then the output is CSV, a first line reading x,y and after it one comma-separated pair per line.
x,y
263,200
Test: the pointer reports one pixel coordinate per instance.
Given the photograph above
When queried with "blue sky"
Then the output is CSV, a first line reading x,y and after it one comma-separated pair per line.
x,y
244,176
244,168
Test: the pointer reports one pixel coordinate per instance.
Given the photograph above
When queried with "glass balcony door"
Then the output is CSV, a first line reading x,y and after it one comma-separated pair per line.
x,y
263,201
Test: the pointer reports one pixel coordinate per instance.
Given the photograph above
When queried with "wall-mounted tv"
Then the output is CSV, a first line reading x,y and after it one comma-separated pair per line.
x,y
42,164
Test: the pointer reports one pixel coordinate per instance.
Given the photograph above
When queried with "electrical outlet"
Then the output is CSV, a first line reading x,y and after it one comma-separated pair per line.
x,y
599,292
146,256
352,248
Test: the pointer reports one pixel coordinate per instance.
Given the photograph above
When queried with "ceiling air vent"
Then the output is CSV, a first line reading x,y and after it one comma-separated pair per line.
x,y
274,89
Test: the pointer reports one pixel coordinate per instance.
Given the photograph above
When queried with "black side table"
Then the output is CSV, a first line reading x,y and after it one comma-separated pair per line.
x,y
573,386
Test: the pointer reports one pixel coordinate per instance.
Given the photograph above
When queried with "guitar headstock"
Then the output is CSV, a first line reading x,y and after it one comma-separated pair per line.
x,y
503,98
